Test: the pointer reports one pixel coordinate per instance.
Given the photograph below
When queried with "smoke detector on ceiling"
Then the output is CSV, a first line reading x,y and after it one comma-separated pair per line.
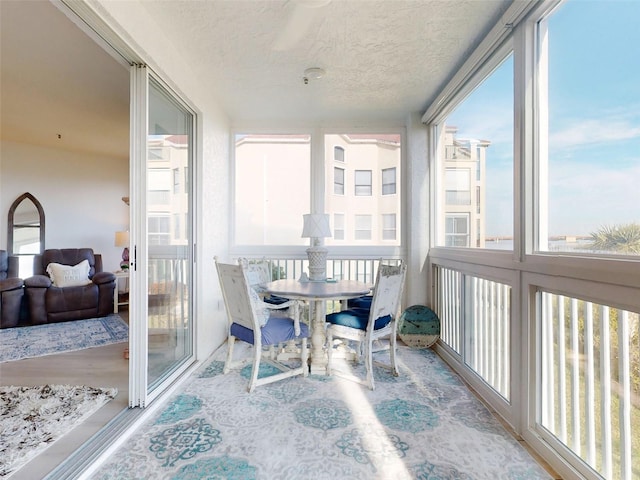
x,y
313,73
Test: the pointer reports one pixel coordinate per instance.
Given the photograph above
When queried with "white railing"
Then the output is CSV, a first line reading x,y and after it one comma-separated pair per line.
x,y
584,367
587,361
475,322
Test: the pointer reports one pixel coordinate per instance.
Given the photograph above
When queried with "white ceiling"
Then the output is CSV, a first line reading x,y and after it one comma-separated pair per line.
x,y
383,59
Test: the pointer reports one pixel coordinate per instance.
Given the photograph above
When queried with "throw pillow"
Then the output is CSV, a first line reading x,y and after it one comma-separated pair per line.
x,y
69,276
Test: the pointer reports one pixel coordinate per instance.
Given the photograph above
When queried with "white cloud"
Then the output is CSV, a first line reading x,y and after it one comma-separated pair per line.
x,y
605,129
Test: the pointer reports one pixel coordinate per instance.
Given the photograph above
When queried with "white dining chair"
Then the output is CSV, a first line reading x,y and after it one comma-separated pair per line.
x,y
250,320
368,326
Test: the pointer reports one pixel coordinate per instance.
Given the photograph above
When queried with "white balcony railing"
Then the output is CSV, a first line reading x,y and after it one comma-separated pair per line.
x,y
587,399
586,354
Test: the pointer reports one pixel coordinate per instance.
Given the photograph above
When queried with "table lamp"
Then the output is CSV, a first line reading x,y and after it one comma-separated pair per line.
x,y
122,240
316,227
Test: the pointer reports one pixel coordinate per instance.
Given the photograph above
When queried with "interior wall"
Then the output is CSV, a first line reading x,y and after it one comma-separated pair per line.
x,y
81,195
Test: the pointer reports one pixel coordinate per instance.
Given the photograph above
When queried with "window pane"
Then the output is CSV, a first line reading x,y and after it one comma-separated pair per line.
x,y
363,227
389,226
338,181
388,181
338,226
593,129
363,182
266,213
374,159
476,165
338,154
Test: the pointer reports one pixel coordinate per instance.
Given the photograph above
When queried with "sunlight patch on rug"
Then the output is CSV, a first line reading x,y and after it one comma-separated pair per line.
x,y
39,340
32,418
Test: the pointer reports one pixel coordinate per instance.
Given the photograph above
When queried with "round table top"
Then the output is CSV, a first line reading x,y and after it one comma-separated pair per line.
x,y
336,290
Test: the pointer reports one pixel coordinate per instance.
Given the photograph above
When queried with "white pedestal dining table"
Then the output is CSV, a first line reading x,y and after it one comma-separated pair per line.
x,y
317,293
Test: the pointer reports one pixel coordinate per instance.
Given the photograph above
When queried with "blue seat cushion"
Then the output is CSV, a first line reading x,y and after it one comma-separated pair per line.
x,y
276,330
356,318
360,302
275,300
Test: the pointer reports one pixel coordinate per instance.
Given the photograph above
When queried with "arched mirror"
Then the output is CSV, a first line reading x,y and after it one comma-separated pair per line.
x,y
26,231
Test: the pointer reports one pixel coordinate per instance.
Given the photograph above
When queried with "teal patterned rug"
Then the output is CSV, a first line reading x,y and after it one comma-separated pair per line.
x,y
424,424
39,340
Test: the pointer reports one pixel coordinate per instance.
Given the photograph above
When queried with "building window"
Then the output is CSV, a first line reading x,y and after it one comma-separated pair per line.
x,y
176,180
338,226
363,183
362,227
389,226
388,181
457,186
159,229
338,181
457,230
338,154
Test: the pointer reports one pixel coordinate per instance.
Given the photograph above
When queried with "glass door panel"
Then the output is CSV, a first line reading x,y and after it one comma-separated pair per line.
x,y
169,241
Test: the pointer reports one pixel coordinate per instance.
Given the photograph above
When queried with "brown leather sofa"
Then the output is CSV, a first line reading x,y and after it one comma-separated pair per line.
x,y
48,303
11,291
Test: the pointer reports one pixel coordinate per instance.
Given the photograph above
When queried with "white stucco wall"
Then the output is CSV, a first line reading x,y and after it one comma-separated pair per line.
x,y
132,24
81,195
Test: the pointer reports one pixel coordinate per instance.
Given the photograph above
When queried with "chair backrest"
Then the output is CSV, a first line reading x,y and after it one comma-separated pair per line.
x,y
237,299
258,272
387,292
8,266
67,256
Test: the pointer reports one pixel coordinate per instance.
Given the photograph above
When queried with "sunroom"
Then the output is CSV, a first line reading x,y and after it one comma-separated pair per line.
x,y
511,195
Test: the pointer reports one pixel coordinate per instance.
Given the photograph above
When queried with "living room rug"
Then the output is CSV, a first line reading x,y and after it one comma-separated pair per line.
x,y
424,424
32,418
39,340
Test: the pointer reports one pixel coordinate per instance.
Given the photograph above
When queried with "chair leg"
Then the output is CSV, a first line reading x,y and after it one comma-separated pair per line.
x,y
228,362
392,353
368,359
329,350
304,358
255,369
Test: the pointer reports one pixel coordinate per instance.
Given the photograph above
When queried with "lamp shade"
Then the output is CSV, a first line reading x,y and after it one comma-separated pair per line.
x,y
316,225
122,239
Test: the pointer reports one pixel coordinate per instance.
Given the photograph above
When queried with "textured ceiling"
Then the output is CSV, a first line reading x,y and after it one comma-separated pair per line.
x,y
383,59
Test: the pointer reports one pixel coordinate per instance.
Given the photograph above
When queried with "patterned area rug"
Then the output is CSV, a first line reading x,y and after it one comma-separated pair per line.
x,y
32,418
40,340
424,424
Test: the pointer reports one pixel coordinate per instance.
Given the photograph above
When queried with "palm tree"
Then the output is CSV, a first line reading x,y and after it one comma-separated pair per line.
x,y
624,239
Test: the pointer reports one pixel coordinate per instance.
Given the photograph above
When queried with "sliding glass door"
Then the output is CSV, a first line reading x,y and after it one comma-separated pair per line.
x,y
162,226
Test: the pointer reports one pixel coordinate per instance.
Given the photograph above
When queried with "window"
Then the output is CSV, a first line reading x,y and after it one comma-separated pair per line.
x,y
374,159
338,154
338,181
159,186
389,226
338,226
362,227
388,181
457,230
176,180
476,166
591,96
159,229
268,207
457,186
363,183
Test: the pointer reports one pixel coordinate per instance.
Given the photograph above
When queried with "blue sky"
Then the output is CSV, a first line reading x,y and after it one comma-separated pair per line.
x,y
594,121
